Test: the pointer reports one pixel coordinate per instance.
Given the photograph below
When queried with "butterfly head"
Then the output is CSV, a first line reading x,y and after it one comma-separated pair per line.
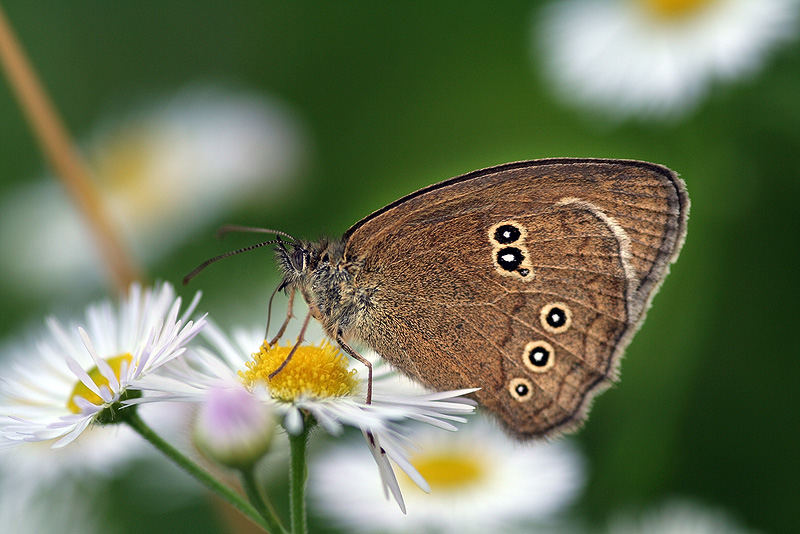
x,y
301,261
293,259
325,278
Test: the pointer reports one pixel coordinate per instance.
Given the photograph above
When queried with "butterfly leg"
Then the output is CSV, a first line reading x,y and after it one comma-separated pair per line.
x,y
289,316
300,339
349,350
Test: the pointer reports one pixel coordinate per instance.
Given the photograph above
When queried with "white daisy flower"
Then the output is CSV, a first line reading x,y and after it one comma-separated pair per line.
x,y
76,375
480,481
656,58
165,171
678,517
319,381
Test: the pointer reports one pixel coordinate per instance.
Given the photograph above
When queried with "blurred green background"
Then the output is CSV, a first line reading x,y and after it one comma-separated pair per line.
x,y
393,97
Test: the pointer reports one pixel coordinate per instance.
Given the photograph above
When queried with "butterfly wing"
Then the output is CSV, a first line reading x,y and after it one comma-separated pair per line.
x,y
526,280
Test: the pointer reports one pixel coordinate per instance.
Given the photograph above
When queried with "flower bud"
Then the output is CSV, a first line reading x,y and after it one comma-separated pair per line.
x,y
233,427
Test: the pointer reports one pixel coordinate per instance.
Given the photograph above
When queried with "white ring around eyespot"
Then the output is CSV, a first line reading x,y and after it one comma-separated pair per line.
x,y
512,388
546,310
546,346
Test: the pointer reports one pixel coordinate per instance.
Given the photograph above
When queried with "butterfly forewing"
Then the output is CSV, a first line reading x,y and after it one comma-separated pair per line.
x,y
526,280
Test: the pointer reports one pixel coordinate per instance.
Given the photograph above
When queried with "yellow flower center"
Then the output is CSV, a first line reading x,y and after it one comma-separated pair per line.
x,y
675,9
320,371
80,390
449,470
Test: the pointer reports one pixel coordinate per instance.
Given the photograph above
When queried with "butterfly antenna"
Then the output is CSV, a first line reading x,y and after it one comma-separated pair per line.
x,y
208,262
228,228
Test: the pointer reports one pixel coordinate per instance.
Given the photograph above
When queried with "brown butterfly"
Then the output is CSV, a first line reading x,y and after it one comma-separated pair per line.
x,y
526,280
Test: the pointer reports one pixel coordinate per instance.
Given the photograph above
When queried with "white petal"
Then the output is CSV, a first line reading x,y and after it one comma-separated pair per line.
x,y
293,422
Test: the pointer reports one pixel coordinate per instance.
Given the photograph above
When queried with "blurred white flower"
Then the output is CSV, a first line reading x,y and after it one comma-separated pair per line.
x,y
655,58
678,517
318,381
66,512
480,481
56,388
164,172
99,453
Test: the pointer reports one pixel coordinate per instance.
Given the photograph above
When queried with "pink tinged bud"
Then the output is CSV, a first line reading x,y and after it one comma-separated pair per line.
x,y
233,427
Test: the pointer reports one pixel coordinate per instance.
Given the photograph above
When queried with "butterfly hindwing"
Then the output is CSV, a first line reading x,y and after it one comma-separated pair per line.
x,y
526,280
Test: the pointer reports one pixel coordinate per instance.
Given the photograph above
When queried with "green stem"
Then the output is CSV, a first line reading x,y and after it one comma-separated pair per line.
x,y
263,505
132,418
298,475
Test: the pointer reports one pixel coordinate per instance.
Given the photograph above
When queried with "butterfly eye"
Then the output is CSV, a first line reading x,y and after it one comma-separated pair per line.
x,y
538,356
556,317
520,389
299,259
507,233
